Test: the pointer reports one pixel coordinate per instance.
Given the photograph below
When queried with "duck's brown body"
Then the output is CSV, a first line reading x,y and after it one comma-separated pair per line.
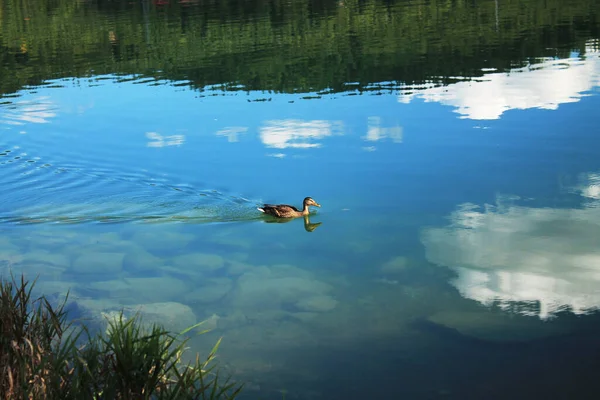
x,y
287,211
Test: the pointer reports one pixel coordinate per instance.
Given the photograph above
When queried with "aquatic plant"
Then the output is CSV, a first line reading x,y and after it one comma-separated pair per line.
x,y
43,356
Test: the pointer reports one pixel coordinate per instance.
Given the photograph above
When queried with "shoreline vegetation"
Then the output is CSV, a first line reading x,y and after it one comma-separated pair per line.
x,y
45,356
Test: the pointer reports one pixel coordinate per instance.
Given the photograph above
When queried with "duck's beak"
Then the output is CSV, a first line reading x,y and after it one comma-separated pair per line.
x,y
317,204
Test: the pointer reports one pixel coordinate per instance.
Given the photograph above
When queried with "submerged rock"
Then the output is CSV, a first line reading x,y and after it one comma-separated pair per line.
x,y
34,270
46,257
115,288
238,267
211,323
320,303
187,274
305,316
157,289
236,319
175,317
139,290
96,305
98,263
42,264
200,262
287,270
105,242
105,238
8,258
139,259
161,241
263,289
50,239
7,248
93,311
56,290
213,290
233,241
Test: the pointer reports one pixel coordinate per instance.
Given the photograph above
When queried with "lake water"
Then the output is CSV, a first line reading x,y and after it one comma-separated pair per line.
x,y
454,148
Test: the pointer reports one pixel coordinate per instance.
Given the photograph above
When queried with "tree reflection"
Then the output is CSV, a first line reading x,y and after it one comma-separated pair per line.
x,y
375,41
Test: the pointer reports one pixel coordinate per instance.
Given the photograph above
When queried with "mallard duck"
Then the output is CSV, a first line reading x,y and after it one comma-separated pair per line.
x,y
287,211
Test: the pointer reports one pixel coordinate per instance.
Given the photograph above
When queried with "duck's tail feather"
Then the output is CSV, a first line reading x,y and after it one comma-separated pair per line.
x,y
260,209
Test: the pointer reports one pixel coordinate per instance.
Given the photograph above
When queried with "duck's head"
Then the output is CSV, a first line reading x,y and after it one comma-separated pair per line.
x,y
309,201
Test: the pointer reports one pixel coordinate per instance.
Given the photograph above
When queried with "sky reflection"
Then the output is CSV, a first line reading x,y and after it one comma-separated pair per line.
x,y
509,253
38,110
283,134
158,140
544,85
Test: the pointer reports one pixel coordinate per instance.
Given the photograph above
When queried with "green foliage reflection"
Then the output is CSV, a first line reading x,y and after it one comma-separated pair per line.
x,y
284,46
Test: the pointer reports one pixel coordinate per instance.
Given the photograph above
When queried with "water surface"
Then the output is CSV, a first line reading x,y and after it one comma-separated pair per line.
x,y
454,150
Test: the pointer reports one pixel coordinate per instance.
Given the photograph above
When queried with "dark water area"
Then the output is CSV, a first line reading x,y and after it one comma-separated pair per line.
x,y
454,148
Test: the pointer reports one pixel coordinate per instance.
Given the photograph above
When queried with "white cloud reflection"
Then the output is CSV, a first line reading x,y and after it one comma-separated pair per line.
x,y
589,188
503,253
292,133
35,111
232,133
157,140
376,132
545,85
276,155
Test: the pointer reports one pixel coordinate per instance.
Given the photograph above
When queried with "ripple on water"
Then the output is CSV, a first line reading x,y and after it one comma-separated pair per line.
x,y
38,192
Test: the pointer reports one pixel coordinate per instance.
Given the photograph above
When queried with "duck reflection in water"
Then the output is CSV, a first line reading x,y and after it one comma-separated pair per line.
x,y
308,226
285,213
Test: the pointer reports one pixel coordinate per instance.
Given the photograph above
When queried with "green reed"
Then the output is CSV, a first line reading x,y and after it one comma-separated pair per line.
x,y
42,356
